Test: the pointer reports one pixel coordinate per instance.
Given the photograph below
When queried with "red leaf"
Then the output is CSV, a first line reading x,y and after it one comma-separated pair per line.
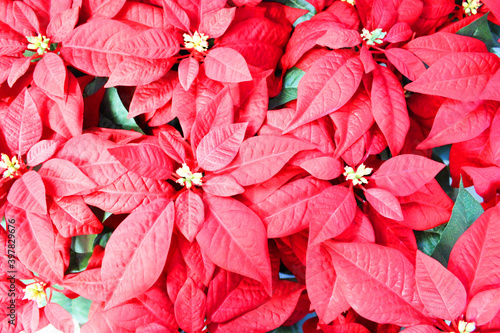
x,y
189,214
222,186
422,329
458,121
226,65
127,193
145,160
89,284
292,207
352,121
175,15
484,307
41,151
337,37
404,174
19,67
62,178
215,24
93,46
323,167
149,97
406,63
381,273
62,24
173,146
261,157
200,267
22,126
442,293
105,8
219,147
475,253
234,238
36,247
326,87
323,287
151,44
269,315
188,71
230,295
59,317
28,193
399,32
72,217
431,48
190,307
134,71
385,203
139,244
50,75
461,76
486,180
389,108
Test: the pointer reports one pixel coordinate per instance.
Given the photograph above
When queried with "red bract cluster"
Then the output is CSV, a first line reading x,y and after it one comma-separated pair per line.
x,y
238,166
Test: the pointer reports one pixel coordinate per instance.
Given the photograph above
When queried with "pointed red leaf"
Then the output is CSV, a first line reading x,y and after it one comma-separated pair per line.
x,y
214,24
292,207
381,273
200,267
323,287
389,108
261,157
190,307
219,147
105,8
28,193
90,285
145,160
326,87
484,307
461,76
19,67
189,214
62,178
188,71
337,208
399,32
422,329
458,121
135,71
50,75
152,44
175,15
226,65
222,186
323,167
93,46
42,151
234,238
404,174
36,247
406,63
173,146
128,192
226,292
59,317
72,217
150,97
22,126
62,24
442,293
475,253
385,203
140,243
269,315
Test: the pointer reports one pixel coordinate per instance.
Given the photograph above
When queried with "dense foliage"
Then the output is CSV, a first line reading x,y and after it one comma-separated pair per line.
x,y
244,165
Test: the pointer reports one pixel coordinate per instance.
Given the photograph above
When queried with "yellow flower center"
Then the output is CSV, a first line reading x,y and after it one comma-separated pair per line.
x,y
36,292
466,327
471,6
10,166
187,177
198,42
357,176
351,2
376,36
39,43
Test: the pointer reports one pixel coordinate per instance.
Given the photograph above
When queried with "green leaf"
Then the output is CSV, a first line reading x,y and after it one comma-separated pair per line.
x,y
289,91
301,4
428,239
465,212
113,113
479,29
94,86
78,307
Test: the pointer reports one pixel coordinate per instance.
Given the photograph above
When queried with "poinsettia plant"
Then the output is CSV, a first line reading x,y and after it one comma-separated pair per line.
x,y
250,166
